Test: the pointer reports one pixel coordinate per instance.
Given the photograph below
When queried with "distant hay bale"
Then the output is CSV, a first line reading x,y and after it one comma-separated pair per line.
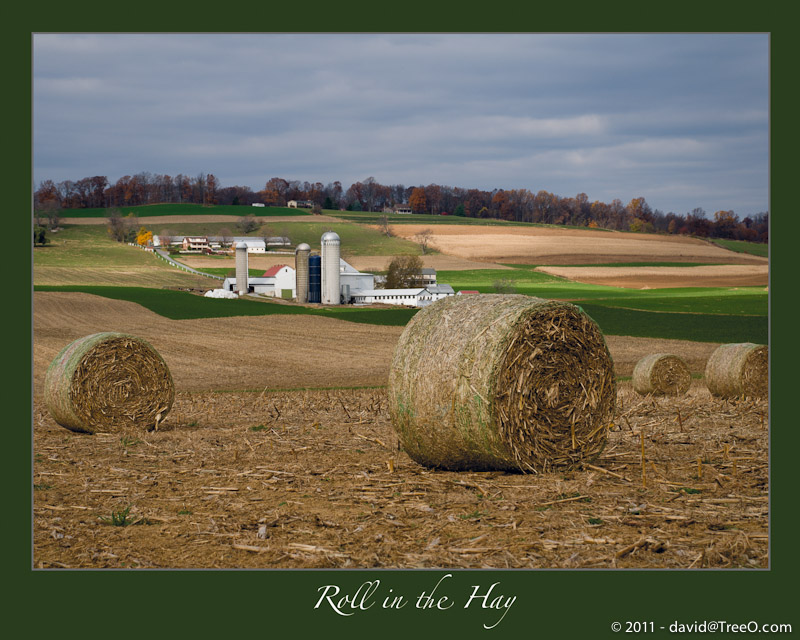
x,y
661,374
738,370
108,382
501,382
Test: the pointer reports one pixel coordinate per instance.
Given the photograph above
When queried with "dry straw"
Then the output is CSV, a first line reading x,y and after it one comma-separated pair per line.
x,y
108,382
506,382
738,370
661,374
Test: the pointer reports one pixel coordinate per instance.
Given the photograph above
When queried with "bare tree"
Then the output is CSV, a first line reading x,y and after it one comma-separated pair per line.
x,y
424,239
383,222
247,224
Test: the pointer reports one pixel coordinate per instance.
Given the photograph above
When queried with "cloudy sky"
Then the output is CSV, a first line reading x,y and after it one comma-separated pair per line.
x,y
680,119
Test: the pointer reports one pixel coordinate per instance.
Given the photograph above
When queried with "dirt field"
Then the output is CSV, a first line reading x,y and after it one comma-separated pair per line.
x,y
727,275
315,478
548,246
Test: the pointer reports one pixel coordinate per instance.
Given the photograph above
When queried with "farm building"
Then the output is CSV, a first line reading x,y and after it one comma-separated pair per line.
x,y
254,245
305,204
277,281
419,297
258,204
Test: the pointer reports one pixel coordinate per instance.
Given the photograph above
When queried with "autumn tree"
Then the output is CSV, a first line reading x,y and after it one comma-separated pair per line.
x,y
404,272
144,237
417,200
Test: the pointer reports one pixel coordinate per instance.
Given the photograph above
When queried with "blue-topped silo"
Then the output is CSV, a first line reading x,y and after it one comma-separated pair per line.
x,y
315,279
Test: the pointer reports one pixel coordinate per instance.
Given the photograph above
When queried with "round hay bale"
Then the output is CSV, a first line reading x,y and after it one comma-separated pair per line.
x,y
661,374
501,382
108,382
738,370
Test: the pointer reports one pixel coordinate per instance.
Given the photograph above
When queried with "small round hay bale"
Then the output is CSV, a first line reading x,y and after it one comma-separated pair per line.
x,y
501,382
108,382
738,370
661,374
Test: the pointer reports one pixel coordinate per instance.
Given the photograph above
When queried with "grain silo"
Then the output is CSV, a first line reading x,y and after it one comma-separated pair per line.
x,y
241,268
330,268
301,271
315,279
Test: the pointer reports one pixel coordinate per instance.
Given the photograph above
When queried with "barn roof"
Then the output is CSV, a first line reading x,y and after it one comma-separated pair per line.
x,y
273,270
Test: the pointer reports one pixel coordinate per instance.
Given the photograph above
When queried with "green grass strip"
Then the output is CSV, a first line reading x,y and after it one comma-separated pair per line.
x,y
182,305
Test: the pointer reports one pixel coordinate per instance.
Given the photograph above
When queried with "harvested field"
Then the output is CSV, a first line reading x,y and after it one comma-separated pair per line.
x,y
550,246
269,351
223,353
727,275
314,479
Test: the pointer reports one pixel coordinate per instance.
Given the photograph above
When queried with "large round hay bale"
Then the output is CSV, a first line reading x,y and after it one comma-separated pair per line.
x,y
501,382
108,382
738,370
661,374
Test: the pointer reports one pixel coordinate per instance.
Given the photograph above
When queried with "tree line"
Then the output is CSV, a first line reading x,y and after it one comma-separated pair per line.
x,y
517,205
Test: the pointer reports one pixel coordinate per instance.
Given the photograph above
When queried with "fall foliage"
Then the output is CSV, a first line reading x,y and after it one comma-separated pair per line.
x,y
515,205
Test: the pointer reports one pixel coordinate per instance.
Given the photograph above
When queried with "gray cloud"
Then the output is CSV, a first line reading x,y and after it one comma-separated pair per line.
x,y
681,119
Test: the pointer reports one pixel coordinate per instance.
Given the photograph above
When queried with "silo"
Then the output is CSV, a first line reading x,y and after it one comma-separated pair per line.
x,y
241,268
330,268
314,279
301,271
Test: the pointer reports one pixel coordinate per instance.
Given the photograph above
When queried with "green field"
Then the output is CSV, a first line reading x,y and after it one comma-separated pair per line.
x,y
186,210
739,246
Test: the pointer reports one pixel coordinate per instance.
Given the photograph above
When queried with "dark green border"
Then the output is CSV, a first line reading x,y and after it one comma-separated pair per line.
x,y
573,604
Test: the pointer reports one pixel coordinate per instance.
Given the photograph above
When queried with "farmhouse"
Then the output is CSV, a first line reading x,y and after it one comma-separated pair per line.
x,y
294,204
194,243
402,208
258,204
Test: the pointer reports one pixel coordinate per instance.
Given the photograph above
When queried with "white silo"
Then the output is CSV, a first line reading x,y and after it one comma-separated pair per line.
x,y
241,268
301,254
330,268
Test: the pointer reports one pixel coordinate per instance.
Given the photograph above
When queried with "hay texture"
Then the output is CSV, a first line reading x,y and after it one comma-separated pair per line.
x,y
738,370
108,382
661,374
501,382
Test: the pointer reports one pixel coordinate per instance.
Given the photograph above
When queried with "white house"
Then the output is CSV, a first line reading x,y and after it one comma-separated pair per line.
x,y
294,204
258,204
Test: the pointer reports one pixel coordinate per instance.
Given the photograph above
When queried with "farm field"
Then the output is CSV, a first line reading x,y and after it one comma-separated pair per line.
x,y
554,246
279,452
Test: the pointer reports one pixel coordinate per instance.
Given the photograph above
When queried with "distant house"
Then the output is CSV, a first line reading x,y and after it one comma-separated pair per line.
x,y
428,276
194,243
305,204
258,204
402,208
